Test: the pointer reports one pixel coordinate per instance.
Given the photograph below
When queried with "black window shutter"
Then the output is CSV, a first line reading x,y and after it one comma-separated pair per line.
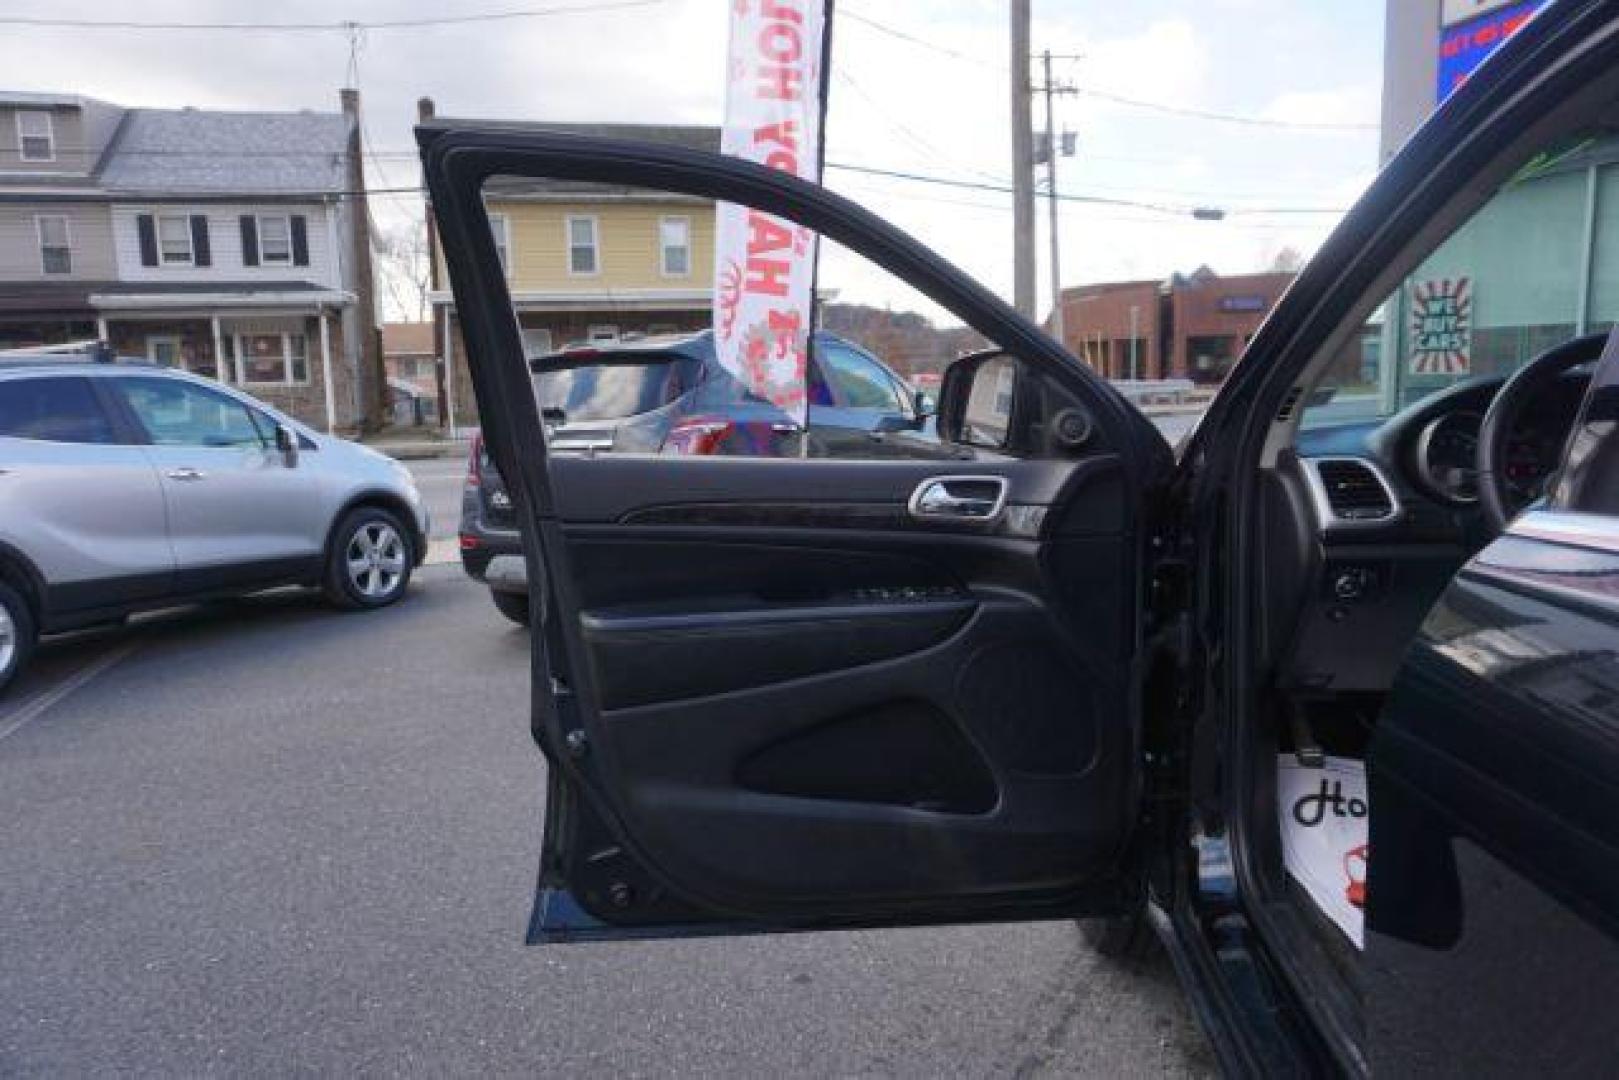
x,y
199,240
300,240
250,241
148,231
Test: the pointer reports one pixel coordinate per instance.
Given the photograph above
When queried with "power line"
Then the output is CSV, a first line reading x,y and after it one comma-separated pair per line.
x,y
345,26
1184,112
910,134
1222,117
968,58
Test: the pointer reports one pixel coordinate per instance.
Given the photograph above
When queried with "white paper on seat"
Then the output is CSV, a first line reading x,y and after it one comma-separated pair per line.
x,y
1324,814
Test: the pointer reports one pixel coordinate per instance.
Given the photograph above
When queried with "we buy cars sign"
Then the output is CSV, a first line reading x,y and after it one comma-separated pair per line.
x,y
764,267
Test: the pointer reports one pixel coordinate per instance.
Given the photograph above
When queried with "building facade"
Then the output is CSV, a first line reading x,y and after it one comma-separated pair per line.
x,y
229,244
1192,326
1536,265
1430,47
587,263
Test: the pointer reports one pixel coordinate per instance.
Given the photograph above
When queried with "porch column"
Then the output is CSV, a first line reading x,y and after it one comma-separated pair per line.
x,y
326,371
222,373
449,373
101,328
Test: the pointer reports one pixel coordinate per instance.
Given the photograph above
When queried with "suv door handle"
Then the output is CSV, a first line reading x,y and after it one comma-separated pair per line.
x,y
960,498
185,473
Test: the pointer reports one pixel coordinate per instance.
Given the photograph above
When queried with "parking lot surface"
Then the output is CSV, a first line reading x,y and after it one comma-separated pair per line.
x,y
266,837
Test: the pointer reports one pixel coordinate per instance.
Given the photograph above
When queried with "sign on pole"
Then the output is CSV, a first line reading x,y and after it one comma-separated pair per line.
x,y
764,267
1473,30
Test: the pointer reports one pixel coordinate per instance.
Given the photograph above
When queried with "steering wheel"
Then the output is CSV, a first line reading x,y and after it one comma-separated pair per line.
x,y
1497,499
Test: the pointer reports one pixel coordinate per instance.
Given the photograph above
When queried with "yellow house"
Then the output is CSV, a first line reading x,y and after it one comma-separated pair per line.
x,y
587,262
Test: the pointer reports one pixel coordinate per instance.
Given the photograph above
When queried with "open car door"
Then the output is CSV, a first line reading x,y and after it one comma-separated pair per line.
x,y
1494,881
796,692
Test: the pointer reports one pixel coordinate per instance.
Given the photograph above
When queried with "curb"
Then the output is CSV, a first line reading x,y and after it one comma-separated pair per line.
x,y
420,451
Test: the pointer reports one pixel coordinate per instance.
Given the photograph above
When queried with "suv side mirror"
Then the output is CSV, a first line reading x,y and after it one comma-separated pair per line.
x,y
978,400
286,441
994,401
923,405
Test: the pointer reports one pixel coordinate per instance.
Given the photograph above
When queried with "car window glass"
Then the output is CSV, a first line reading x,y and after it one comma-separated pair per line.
x,y
855,382
53,409
176,413
572,390
1524,273
856,349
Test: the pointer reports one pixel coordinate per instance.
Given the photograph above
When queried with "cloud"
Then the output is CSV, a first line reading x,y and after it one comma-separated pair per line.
x,y
1357,103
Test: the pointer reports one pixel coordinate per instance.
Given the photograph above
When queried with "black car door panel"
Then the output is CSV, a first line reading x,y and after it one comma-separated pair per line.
x,y
777,693
846,686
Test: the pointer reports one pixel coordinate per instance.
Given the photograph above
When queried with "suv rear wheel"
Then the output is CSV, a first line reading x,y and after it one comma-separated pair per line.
x,y
511,605
17,633
369,562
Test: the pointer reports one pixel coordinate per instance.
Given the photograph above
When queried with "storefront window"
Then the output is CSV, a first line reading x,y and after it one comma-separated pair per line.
x,y
1605,256
1504,288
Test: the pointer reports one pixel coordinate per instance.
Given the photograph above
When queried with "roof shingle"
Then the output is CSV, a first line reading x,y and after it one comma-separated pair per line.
x,y
180,151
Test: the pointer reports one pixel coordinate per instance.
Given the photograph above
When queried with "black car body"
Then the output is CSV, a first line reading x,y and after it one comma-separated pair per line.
x,y
1056,680
669,395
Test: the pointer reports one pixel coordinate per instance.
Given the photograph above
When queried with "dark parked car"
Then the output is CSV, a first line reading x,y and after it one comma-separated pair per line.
x,y
1065,678
669,395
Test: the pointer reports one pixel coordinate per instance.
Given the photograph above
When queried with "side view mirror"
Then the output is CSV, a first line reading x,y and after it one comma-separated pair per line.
x,y
923,405
286,441
997,402
978,400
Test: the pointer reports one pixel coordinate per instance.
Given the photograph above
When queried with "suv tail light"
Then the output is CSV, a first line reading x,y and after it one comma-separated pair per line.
x,y
698,435
475,463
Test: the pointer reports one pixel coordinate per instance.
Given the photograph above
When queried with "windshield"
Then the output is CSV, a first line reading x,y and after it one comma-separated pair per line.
x,y
609,391
1537,265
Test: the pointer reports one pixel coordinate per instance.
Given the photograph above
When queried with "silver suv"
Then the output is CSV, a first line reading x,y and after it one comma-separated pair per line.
x,y
126,486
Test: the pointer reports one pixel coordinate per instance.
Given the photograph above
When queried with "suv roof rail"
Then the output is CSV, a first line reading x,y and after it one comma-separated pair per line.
x,y
83,352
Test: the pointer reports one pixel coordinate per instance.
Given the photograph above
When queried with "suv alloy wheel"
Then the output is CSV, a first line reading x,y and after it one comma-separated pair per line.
x,y
17,633
369,561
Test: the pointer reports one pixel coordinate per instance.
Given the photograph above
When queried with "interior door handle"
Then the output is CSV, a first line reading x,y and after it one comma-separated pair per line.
x,y
185,473
960,498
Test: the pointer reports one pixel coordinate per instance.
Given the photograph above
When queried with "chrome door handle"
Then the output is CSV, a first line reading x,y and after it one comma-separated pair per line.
x,y
960,498
185,473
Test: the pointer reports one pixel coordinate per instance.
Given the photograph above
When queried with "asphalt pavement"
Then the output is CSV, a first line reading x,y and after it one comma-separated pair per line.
x,y
440,481
267,837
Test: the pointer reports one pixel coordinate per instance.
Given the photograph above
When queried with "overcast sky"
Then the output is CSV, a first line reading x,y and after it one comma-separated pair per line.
x,y
937,106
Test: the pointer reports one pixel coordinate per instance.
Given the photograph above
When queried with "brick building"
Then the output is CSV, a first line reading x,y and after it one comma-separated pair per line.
x,y
1192,326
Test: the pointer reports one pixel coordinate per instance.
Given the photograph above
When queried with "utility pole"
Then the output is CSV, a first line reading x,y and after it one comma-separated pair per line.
x,y
1023,293
1051,90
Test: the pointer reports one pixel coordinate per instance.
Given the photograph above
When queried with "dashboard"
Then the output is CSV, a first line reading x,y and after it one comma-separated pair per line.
x,y
1430,450
1367,523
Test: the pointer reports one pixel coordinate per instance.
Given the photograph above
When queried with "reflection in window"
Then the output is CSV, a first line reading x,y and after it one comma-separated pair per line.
x,y
176,413
1504,288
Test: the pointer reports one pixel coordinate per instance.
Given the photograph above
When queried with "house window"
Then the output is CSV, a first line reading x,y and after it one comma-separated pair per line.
x,y
164,351
674,237
36,141
500,228
583,245
536,343
174,238
272,359
55,249
275,239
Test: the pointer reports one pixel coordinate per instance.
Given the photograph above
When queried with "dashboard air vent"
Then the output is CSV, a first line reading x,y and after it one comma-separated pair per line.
x,y
1354,491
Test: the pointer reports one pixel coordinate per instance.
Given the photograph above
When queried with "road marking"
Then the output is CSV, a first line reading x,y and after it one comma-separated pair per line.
x,y
39,706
